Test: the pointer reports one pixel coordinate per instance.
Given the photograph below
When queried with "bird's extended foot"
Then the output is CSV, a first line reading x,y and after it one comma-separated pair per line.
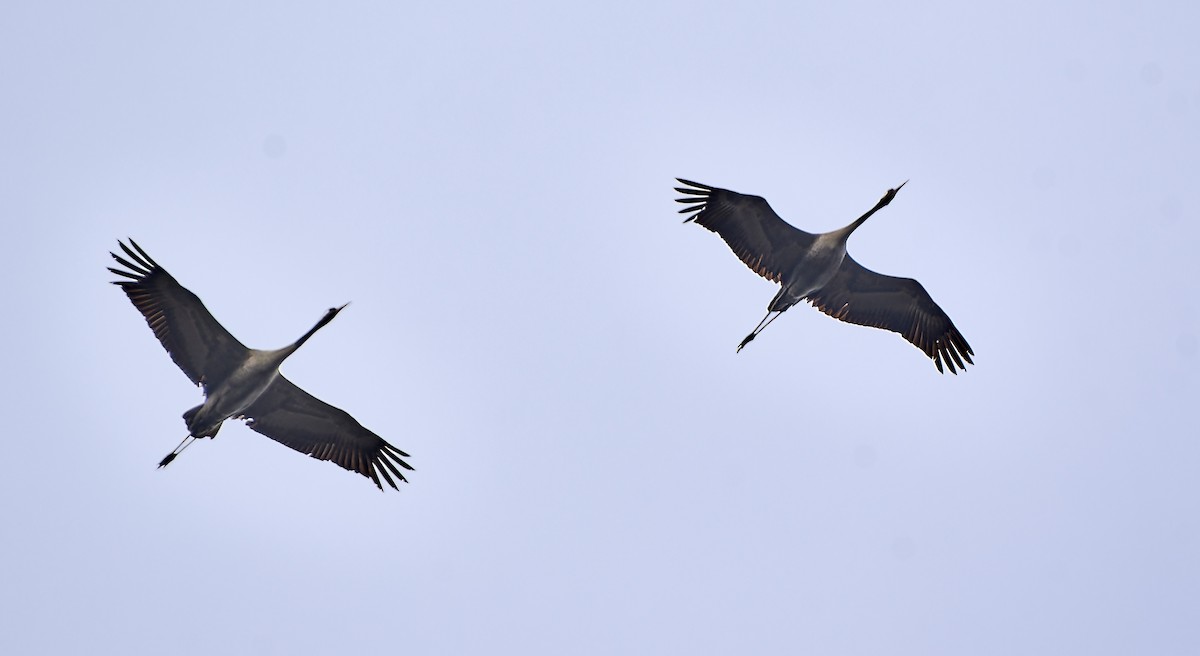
x,y
166,461
746,341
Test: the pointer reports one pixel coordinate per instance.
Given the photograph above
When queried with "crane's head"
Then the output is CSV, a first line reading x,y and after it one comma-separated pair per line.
x,y
891,193
887,198
330,315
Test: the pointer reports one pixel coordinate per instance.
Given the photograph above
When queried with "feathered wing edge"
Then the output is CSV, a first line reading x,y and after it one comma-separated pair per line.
x,y
762,240
197,343
299,420
861,296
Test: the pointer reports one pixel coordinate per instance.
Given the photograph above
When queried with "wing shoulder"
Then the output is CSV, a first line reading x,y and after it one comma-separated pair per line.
x,y
196,341
861,296
297,419
754,232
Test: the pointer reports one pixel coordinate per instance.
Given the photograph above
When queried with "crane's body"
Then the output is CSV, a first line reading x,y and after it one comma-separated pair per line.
x,y
813,270
817,268
245,383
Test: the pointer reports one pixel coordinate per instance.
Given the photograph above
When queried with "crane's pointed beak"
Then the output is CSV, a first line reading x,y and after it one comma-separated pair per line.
x,y
891,193
329,315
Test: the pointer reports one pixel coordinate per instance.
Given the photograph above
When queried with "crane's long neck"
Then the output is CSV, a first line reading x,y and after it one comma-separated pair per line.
x,y
843,234
863,219
883,202
288,350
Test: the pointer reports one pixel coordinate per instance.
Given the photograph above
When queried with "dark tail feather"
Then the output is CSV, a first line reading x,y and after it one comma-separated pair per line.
x,y
189,418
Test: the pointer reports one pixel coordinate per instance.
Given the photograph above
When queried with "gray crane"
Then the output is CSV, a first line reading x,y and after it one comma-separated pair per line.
x,y
245,383
817,269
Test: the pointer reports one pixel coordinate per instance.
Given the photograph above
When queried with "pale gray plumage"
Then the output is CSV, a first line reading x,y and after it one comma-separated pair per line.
x,y
244,383
816,268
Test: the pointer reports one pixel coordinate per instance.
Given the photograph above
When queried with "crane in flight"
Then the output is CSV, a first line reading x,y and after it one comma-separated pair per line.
x,y
245,383
816,268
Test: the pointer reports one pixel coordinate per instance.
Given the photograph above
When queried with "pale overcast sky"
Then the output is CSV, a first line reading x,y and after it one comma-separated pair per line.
x,y
597,471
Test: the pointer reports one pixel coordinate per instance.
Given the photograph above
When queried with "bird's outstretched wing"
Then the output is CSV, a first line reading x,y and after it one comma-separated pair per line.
x,y
201,346
766,243
291,416
858,295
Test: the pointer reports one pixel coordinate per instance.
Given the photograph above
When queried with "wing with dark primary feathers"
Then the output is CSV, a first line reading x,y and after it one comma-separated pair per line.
x,y
858,295
767,244
291,416
201,346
